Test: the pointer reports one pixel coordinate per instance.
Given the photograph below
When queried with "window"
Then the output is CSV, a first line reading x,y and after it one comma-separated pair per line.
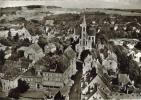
x,y
83,28
89,38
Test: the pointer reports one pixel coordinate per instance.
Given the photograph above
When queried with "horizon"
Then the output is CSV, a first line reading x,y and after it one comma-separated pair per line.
x,y
115,4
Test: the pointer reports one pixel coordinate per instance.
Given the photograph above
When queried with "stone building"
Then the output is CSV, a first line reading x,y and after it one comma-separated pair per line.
x,y
87,37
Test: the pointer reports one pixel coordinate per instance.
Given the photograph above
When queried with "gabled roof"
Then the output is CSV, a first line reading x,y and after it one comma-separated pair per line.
x,y
35,47
70,53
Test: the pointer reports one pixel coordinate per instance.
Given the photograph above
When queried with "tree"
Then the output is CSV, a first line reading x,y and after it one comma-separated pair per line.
x,y
13,93
2,59
59,96
84,54
22,87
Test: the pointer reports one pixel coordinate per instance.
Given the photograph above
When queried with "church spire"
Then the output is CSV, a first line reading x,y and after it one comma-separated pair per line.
x,y
84,20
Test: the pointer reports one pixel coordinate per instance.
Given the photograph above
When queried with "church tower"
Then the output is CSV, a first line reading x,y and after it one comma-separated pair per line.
x,y
83,32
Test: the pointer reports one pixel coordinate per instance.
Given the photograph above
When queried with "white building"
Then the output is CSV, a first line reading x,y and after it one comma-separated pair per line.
x,y
9,83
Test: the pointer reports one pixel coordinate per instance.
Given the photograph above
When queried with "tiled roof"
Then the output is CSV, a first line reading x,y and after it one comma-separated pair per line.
x,y
11,74
35,47
30,72
70,53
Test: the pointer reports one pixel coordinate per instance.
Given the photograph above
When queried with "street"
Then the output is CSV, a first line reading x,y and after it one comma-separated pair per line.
x,y
75,91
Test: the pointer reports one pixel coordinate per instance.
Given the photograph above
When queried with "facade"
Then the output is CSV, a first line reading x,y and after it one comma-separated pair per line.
x,y
8,84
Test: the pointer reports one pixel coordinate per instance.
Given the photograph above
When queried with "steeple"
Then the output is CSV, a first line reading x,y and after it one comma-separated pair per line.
x,y
83,25
83,32
84,20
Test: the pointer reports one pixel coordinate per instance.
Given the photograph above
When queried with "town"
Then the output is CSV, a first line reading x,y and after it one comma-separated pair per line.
x,y
82,55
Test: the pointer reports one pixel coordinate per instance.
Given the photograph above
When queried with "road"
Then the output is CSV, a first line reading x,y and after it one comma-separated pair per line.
x,y
75,91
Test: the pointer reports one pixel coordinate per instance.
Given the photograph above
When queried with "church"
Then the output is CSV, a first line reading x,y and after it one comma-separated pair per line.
x,y
87,37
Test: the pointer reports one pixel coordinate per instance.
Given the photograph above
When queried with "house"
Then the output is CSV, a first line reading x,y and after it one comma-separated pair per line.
x,y
34,39
9,83
34,52
110,63
34,95
39,79
88,63
124,96
23,33
70,59
11,75
49,22
101,89
137,57
99,95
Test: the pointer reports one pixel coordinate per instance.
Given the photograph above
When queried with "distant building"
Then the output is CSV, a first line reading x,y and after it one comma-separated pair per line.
x,y
49,23
23,33
87,40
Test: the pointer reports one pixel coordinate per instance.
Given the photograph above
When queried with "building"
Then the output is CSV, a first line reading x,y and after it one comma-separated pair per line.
x,y
99,89
87,39
49,23
34,52
9,83
11,75
110,64
23,33
52,77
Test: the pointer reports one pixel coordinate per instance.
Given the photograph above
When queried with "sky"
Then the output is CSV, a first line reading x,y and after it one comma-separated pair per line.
x,y
124,4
